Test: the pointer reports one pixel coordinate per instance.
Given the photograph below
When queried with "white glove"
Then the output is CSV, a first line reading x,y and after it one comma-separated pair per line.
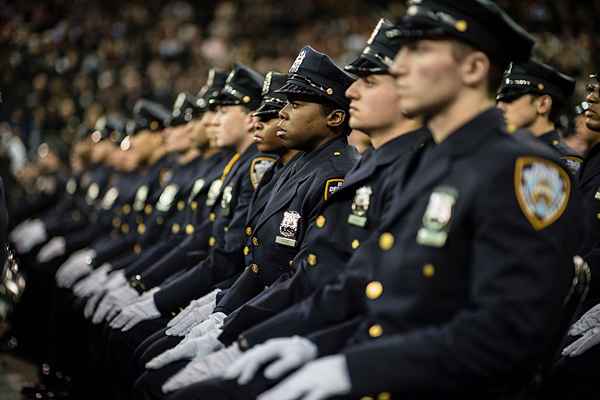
x,y
93,282
135,313
20,229
318,380
91,304
113,302
33,234
213,322
589,327
115,280
54,248
194,348
210,298
74,268
204,368
192,318
285,354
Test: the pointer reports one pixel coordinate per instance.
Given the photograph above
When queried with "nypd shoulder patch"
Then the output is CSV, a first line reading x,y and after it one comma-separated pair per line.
x,y
258,167
332,186
542,189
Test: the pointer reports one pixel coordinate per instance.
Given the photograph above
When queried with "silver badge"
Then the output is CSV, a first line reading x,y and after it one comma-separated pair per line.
x,y
109,198
297,62
140,198
166,198
92,193
267,83
288,229
198,185
213,192
71,186
226,200
436,219
360,206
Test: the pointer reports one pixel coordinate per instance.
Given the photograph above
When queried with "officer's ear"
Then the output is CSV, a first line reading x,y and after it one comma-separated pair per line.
x,y
336,118
543,104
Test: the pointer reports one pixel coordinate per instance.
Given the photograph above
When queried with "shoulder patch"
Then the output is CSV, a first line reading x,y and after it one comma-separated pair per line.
x,y
258,167
331,186
573,163
542,189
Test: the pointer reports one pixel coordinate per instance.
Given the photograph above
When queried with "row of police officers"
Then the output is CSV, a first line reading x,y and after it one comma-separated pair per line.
x,y
237,247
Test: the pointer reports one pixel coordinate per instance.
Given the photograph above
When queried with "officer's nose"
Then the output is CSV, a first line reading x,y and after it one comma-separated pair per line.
x,y
398,67
351,92
501,105
283,113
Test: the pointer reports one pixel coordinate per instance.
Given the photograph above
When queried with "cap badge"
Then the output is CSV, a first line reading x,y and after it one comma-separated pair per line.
x,y
267,83
298,62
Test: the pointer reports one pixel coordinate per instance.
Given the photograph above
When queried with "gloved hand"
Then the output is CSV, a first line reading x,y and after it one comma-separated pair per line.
x,y
203,368
214,321
90,305
113,302
210,298
192,318
194,348
321,379
285,354
589,327
135,313
93,282
33,234
20,229
54,248
74,268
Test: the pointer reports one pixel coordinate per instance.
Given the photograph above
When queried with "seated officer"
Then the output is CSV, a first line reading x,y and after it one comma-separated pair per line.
x,y
578,375
532,96
465,286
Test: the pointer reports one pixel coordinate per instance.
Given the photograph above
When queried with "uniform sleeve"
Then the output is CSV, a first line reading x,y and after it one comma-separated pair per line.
x,y
519,278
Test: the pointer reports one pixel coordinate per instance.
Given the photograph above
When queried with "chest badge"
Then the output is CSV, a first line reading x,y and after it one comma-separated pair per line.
x,y
198,185
360,206
109,198
140,198
71,186
226,201
213,192
288,229
92,193
166,198
437,217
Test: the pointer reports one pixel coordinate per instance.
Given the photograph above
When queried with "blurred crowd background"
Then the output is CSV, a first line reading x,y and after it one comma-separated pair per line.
x,y
65,63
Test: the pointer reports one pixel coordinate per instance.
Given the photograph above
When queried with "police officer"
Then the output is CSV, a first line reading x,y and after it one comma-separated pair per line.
x,y
451,264
532,96
577,375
